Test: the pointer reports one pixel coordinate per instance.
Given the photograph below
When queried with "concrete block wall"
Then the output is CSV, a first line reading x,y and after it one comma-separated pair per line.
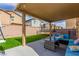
x,y
16,30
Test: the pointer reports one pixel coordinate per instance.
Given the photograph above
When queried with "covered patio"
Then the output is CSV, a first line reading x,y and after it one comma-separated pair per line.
x,y
38,47
48,12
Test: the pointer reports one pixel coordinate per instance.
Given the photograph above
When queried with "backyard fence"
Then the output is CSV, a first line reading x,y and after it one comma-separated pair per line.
x,y
16,30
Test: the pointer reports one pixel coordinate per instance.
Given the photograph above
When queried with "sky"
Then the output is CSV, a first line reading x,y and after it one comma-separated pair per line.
x,y
61,23
7,6
12,6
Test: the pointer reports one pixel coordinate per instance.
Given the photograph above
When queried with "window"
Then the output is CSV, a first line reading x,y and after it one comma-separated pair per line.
x,y
12,18
34,21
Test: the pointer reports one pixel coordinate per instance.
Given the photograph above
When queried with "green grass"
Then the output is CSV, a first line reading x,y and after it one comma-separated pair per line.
x,y
32,38
16,41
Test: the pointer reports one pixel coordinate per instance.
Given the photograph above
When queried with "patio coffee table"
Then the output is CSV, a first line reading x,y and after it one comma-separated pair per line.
x,y
51,45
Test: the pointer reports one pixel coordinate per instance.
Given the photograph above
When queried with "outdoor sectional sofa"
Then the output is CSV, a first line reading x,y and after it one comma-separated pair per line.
x,y
54,45
55,42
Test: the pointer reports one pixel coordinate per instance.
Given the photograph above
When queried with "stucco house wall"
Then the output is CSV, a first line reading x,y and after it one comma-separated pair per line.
x,y
12,25
4,17
35,23
71,23
15,18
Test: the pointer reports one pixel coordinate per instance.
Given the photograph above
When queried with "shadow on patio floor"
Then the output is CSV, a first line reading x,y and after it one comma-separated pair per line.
x,y
38,46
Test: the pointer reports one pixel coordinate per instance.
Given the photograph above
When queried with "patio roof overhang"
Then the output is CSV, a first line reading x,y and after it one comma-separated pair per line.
x,y
47,11
50,11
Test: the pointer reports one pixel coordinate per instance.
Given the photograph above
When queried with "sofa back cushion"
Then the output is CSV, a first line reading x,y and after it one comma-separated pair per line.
x,y
66,36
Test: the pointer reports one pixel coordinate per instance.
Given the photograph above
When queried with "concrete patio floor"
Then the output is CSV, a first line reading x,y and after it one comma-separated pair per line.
x,y
33,49
20,51
38,46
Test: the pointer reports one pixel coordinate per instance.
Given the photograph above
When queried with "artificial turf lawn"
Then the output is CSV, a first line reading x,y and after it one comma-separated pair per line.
x,y
16,41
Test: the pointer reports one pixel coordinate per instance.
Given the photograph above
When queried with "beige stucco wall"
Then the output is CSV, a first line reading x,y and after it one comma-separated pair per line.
x,y
71,23
13,30
77,27
17,19
4,18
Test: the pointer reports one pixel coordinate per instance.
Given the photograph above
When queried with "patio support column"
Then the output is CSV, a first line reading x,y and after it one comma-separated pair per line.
x,y
50,29
23,30
54,27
